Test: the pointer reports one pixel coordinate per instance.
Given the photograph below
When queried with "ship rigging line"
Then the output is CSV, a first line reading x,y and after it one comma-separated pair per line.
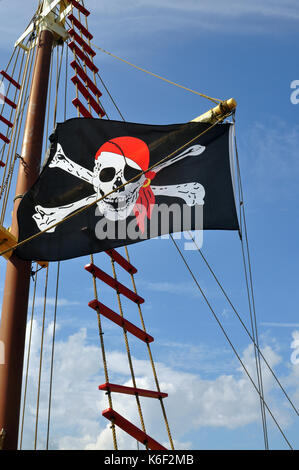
x,y
249,284
28,356
41,359
229,340
243,324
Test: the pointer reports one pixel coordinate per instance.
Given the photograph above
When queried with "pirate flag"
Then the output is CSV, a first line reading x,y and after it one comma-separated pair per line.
x,y
107,184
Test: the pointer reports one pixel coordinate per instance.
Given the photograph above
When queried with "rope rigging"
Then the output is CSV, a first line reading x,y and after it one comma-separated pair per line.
x,y
249,286
229,341
25,72
243,324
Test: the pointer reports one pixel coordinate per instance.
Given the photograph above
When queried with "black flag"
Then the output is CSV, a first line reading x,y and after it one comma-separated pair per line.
x,y
107,184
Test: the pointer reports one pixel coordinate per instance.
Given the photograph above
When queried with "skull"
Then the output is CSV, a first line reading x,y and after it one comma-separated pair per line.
x,y
111,172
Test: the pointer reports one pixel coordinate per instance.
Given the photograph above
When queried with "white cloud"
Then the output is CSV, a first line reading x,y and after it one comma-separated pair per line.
x,y
203,17
61,302
170,287
225,401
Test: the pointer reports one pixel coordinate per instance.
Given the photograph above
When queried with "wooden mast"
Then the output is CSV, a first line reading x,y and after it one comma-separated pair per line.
x,y
17,282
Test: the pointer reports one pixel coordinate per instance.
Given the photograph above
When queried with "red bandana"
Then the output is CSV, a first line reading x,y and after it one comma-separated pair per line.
x,y
145,202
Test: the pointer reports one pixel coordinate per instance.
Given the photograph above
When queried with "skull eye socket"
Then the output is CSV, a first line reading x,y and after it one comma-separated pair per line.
x,y
107,174
130,172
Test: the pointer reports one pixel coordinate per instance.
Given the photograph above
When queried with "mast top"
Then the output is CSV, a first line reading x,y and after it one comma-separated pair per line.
x,y
50,15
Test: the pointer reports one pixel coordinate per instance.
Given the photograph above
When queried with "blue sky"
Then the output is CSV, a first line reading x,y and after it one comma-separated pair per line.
x,y
225,49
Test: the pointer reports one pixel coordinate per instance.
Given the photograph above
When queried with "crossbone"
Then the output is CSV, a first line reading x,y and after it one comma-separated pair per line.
x,y
109,175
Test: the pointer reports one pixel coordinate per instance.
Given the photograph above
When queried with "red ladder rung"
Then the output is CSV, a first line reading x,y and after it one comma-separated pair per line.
x,y
80,7
83,111
114,283
10,79
120,321
4,138
8,101
108,387
82,43
118,258
91,85
76,50
80,26
132,430
82,88
8,123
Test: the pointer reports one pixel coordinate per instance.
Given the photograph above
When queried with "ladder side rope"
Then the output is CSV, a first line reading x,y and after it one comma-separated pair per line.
x,y
243,324
115,277
29,40
28,357
9,84
83,66
97,74
250,291
214,100
23,98
151,358
129,352
228,340
58,75
79,211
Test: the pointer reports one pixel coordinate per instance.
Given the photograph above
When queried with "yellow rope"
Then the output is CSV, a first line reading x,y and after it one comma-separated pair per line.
x,y
214,100
151,359
82,209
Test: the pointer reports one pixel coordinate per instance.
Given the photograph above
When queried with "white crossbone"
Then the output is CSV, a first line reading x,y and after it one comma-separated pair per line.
x,y
119,204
